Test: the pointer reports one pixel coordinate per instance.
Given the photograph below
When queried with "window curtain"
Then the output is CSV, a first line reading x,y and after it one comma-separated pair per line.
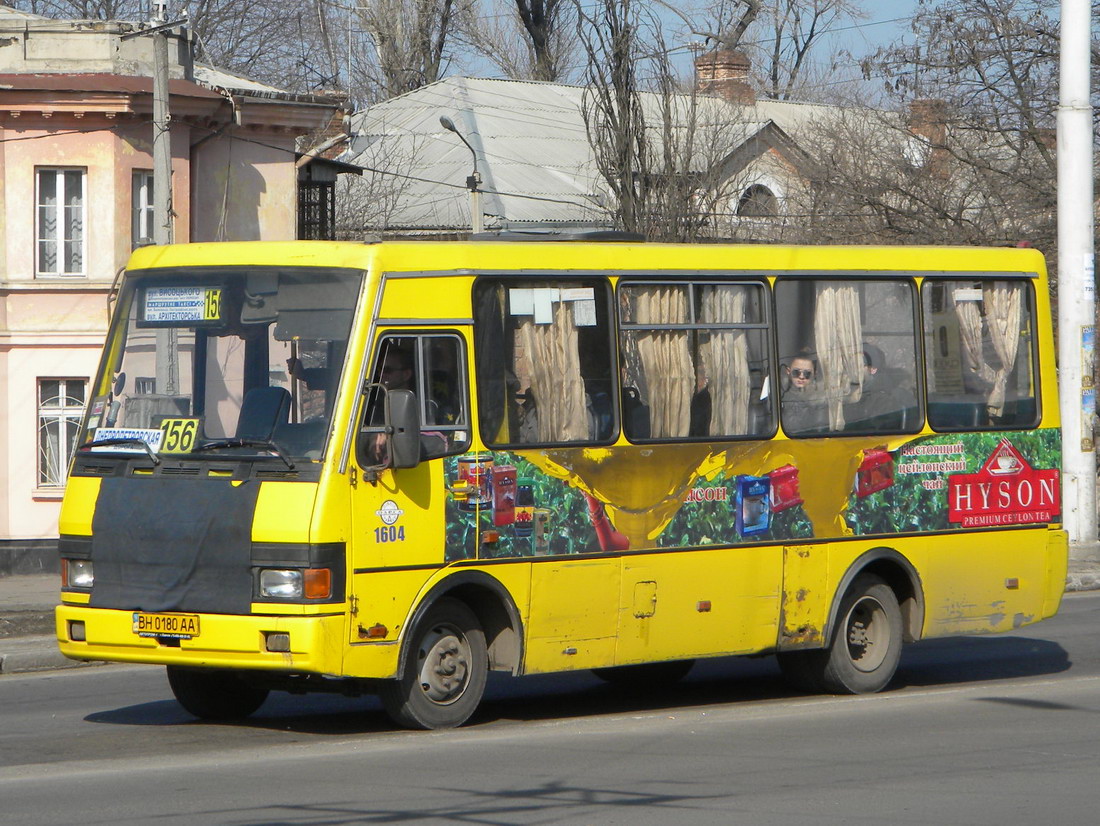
x,y
725,358
47,221
838,335
1003,303
969,315
74,222
556,375
666,359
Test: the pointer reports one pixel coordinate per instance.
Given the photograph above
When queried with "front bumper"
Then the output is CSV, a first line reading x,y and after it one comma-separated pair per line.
x,y
316,642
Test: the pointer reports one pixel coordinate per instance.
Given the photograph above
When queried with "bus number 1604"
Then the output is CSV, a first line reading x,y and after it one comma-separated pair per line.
x,y
389,533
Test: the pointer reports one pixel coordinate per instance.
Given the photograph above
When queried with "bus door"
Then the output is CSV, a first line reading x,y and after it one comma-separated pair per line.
x,y
398,517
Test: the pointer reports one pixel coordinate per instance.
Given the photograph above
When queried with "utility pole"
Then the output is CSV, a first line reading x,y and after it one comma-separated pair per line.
x,y
162,135
167,367
1076,282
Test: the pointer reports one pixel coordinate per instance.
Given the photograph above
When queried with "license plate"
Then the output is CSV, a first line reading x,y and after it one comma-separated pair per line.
x,y
180,626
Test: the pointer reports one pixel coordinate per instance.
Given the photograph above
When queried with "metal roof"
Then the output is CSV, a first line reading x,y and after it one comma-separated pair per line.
x,y
533,152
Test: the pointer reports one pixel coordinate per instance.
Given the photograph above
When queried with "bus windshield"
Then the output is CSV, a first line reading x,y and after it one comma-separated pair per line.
x,y
240,361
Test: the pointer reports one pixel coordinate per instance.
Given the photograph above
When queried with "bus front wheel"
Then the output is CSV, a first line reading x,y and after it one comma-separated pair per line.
x,y
213,694
445,670
865,648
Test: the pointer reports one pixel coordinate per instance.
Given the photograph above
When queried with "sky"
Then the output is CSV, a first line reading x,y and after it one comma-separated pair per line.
x,y
886,21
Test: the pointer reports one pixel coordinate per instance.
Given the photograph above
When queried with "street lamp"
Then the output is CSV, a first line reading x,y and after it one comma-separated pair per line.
x,y
473,181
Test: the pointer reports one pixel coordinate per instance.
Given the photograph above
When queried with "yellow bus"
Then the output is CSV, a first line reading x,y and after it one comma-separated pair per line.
x,y
390,468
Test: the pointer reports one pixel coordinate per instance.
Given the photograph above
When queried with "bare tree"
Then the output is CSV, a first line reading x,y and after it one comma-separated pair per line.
x,y
541,20
778,35
278,42
378,201
721,24
85,9
409,43
796,29
525,39
979,86
613,113
662,149
275,42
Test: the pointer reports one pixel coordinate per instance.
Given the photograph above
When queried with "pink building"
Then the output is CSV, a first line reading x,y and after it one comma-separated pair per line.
x,y
76,177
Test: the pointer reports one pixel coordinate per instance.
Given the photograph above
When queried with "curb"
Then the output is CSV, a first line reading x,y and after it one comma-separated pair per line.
x,y
37,653
1083,581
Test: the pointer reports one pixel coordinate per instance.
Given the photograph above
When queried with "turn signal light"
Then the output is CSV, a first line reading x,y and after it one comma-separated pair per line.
x,y
318,583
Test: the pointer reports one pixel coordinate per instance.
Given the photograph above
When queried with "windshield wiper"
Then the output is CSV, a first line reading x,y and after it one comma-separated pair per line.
x,y
122,441
264,443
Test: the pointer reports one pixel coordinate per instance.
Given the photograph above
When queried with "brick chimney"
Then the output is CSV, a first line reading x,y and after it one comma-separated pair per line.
x,y
335,132
725,73
928,120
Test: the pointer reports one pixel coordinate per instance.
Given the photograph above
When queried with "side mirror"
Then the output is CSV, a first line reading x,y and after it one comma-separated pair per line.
x,y
403,423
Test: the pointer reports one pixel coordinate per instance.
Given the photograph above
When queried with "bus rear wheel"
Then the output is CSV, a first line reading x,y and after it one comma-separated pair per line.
x,y
213,694
445,670
865,648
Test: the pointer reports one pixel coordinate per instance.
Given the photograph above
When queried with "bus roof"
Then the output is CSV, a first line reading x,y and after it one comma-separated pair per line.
x,y
590,256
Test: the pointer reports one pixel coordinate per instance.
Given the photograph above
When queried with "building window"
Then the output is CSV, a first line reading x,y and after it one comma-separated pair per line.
x,y
758,202
60,221
316,210
60,409
141,209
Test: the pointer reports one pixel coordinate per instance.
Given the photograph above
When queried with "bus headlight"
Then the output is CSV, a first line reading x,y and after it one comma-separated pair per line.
x,y
77,573
278,583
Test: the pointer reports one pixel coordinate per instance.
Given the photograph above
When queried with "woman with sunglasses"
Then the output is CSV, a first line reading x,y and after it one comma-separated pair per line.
x,y
803,405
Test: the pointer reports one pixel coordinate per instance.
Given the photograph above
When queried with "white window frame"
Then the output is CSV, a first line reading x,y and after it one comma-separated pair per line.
x,y
51,226
141,208
63,412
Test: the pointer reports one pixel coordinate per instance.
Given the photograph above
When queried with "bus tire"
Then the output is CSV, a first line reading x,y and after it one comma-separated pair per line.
x,y
865,649
445,670
644,676
213,694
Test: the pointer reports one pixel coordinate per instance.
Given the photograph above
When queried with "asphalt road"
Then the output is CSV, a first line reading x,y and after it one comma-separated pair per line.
x,y
994,730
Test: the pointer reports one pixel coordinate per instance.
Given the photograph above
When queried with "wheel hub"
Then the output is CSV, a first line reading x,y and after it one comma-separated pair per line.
x,y
867,634
444,666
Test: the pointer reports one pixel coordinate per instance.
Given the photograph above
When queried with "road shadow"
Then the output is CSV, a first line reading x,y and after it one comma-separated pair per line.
x,y
550,801
314,714
721,681
953,660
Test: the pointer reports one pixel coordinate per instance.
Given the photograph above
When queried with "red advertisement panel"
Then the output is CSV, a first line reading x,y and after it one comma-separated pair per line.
x,y
1007,490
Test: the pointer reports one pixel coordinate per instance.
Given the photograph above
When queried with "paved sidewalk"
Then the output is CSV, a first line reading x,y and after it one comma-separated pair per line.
x,y
1083,576
27,639
28,643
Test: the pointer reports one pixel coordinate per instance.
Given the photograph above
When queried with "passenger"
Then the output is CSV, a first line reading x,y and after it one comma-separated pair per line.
x,y
395,372
884,402
804,409
701,404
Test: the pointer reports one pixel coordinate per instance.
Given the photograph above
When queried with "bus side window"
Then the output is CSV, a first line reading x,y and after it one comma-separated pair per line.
x,y
689,352
983,372
888,399
850,355
544,362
